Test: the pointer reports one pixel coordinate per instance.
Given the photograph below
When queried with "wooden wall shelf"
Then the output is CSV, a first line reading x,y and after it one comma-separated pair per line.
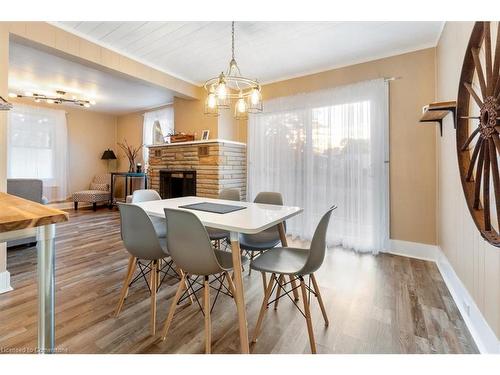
x,y
436,112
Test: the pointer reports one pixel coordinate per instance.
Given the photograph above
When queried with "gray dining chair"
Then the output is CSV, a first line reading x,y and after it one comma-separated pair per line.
x,y
143,244
216,235
296,263
254,244
146,195
191,249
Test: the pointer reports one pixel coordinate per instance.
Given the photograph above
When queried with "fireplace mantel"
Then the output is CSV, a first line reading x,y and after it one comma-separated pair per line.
x,y
220,141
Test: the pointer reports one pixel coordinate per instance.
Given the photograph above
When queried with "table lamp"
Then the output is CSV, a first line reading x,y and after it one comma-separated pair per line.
x,y
108,155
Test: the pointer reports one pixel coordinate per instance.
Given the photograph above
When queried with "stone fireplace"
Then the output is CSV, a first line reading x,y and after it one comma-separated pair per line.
x,y
205,167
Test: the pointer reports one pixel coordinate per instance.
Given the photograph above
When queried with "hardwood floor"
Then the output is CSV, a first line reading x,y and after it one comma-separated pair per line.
x,y
382,304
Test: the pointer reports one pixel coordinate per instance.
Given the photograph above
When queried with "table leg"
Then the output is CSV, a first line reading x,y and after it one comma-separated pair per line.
x,y
46,287
239,295
111,192
145,181
126,187
284,243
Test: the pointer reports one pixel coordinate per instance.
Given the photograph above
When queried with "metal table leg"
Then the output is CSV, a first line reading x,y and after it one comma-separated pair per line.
x,y
46,287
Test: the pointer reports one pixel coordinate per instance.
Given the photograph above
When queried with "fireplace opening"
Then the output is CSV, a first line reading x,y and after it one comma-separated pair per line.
x,y
175,184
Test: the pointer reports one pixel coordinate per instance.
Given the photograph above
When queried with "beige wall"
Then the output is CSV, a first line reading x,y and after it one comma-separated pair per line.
x,y
189,118
129,127
412,145
89,134
476,263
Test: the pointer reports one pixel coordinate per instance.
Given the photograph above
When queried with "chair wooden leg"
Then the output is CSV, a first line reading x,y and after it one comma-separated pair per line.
x,y
263,308
320,300
230,283
295,288
158,278
128,285
252,255
184,277
281,279
307,313
208,328
284,243
264,281
173,306
132,264
153,285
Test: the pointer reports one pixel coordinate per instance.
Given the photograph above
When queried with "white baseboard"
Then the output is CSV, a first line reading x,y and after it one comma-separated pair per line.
x,y
5,282
481,332
483,335
413,250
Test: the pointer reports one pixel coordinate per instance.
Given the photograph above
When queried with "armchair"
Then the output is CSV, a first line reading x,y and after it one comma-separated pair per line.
x,y
99,191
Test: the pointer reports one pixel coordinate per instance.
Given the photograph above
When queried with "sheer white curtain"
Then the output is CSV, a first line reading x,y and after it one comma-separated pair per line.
x,y
37,148
165,117
323,148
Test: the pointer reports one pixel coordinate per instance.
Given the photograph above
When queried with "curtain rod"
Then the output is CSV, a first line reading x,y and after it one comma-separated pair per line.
x,y
388,79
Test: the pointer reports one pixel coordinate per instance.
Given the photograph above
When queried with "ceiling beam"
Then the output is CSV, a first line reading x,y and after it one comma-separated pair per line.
x,y
81,50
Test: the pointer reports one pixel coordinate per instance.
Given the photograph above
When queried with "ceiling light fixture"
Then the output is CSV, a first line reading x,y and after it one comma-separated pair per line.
x,y
230,86
4,105
56,99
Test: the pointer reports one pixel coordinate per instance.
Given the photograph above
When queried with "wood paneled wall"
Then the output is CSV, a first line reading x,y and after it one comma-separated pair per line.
x,y
476,263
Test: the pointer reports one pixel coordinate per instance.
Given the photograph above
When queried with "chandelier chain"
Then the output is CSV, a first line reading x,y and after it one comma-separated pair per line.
x,y
232,40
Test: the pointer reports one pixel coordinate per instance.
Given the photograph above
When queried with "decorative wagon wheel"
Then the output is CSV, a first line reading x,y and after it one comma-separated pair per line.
x,y
478,125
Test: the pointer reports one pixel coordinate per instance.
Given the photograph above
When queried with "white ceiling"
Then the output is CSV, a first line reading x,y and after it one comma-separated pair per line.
x,y
38,71
268,51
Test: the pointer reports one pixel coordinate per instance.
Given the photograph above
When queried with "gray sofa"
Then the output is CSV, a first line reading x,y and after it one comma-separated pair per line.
x,y
30,189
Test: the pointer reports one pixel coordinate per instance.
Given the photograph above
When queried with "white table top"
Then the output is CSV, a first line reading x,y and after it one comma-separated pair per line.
x,y
253,219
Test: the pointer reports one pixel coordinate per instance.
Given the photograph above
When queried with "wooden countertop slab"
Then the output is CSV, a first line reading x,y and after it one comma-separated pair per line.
x,y
18,213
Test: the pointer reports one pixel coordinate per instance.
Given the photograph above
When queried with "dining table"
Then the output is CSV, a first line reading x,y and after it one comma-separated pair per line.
x,y
22,218
251,219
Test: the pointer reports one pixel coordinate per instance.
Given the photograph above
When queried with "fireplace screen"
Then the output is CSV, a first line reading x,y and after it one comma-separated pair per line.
x,y
174,184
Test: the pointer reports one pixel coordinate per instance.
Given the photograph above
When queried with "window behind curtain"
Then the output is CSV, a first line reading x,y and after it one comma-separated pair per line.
x,y
165,117
37,148
323,148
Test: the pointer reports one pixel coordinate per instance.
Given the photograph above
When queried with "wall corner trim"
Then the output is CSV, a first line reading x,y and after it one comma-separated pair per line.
x,y
481,332
5,282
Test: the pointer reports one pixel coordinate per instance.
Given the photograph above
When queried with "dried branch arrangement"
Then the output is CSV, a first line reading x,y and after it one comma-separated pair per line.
x,y
131,152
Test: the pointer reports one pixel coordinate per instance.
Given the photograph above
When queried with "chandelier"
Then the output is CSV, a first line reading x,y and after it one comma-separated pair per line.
x,y
232,87
59,98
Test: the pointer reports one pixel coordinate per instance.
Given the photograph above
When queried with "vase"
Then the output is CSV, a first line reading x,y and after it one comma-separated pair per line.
x,y
131,166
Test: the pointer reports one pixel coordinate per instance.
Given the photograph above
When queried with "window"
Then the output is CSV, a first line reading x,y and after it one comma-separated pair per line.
x,y
37,143
165,117
323,148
